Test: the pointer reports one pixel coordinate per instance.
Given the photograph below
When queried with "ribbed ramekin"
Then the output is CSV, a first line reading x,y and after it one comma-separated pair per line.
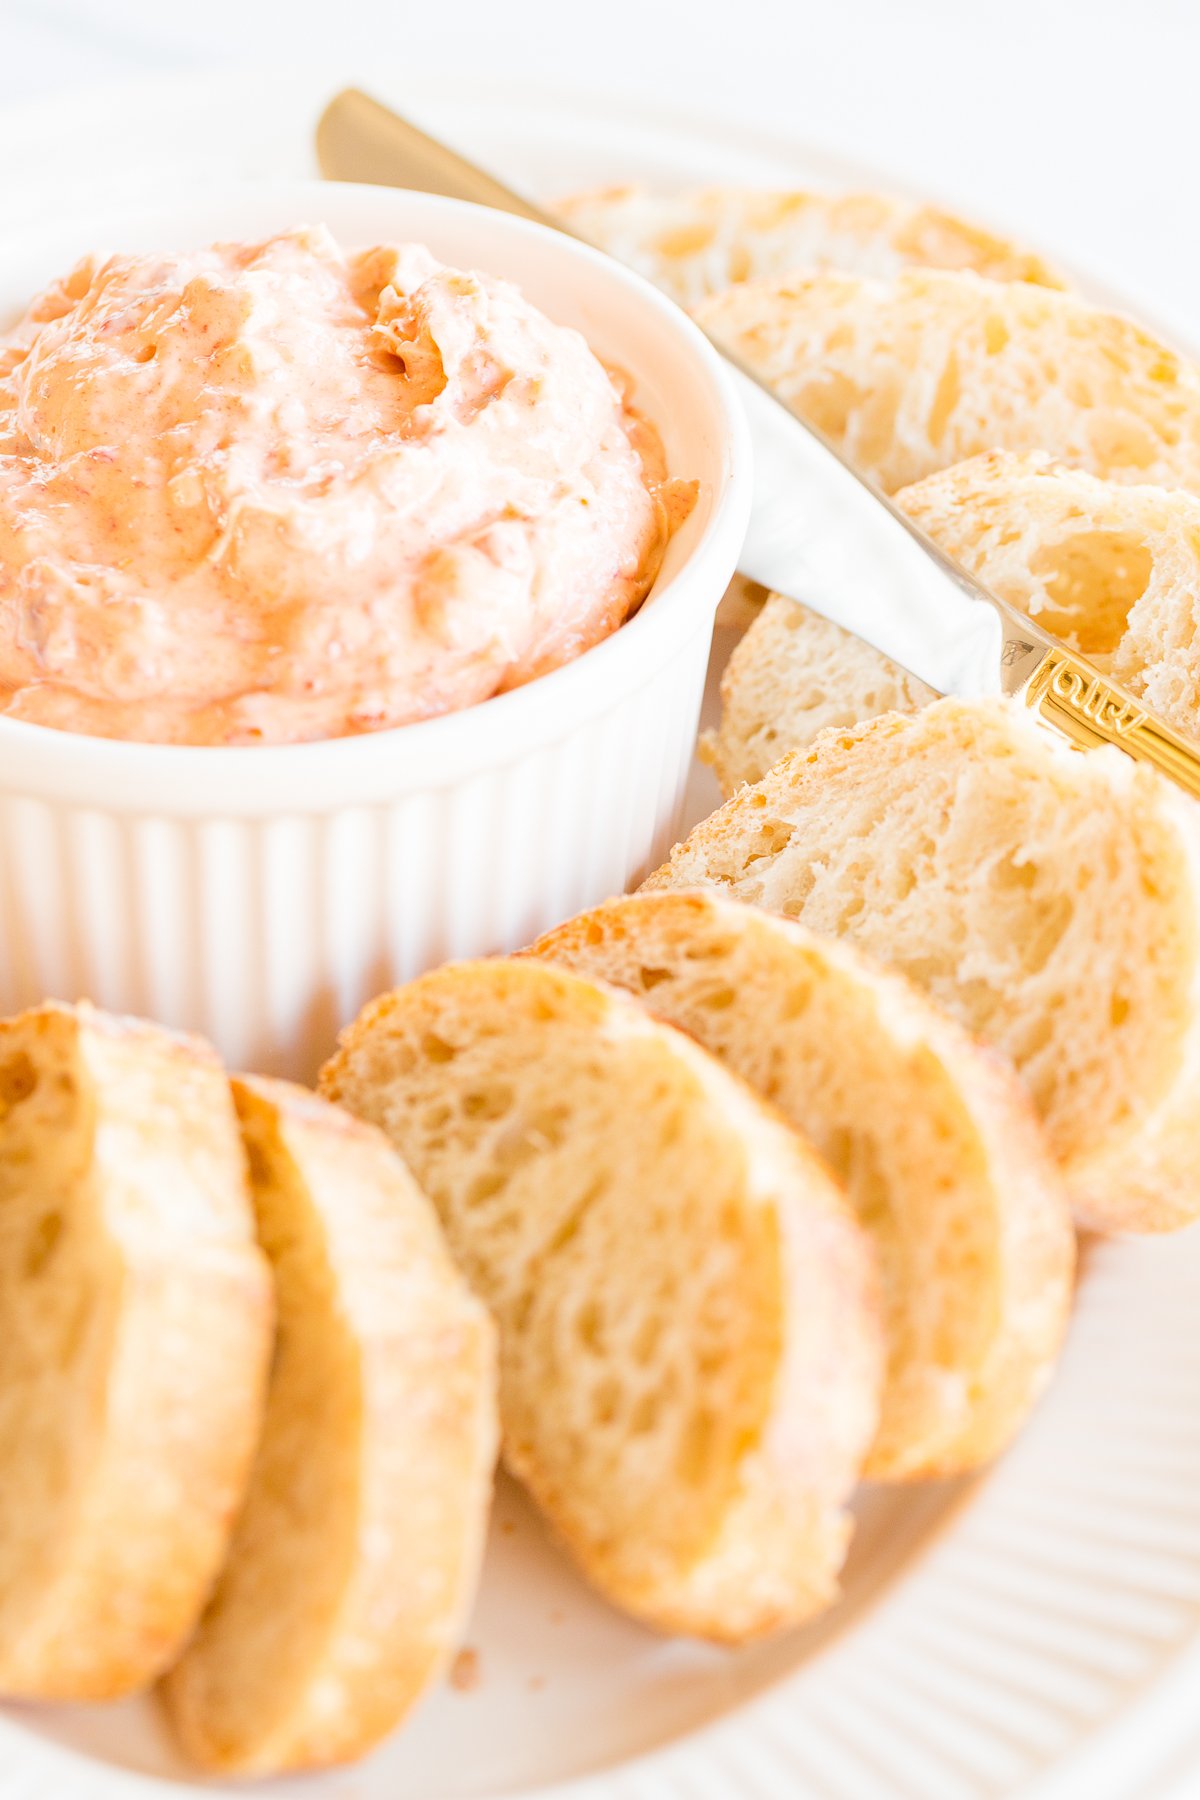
x,y
260,895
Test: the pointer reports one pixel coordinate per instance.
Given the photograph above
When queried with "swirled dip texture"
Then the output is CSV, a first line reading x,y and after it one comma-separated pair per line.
x,y
272,492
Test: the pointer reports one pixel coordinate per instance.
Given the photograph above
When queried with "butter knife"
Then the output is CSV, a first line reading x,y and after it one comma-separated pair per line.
x,y
819,532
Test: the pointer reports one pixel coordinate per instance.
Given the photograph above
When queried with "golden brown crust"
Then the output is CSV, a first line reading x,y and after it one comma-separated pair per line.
x,y
166,1417
335,1614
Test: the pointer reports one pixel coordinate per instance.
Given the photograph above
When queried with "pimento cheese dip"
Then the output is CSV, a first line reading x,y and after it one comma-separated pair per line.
x,y
275,492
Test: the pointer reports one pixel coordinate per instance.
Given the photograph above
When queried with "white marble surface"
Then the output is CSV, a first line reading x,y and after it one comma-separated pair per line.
x,y
1074,121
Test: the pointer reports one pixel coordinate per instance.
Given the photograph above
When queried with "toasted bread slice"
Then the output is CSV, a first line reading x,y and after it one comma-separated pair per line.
x,y
934,1137
910,375
705,239
1048,897
689,1342
137,1328
357,1549
1113,570
795,674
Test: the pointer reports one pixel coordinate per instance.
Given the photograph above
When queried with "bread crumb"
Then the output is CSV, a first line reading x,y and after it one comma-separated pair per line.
x,y
465,1673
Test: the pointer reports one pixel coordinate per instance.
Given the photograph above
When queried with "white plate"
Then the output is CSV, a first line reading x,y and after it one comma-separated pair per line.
x,y
1036,1632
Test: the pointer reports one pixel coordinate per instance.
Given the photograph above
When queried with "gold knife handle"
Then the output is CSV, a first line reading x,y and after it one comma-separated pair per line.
x,y
1085,707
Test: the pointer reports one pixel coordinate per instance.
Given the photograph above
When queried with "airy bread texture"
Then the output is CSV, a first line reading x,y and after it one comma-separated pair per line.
x,y
934,1137
793,675
1112,570
705,239
1049,898
356,1552
909,376
137,1328
689,1343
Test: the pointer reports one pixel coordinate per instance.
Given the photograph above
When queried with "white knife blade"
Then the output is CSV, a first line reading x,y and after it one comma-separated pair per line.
x,y
820,534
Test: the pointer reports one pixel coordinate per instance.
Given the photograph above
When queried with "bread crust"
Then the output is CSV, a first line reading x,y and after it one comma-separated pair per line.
x,y
767,1550
383,1558
166,1406
944,1410
703,240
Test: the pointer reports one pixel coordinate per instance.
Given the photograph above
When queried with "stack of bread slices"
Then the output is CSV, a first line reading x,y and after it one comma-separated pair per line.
x,y
1045,898
247,1403
1049,445
753,1219
703,1215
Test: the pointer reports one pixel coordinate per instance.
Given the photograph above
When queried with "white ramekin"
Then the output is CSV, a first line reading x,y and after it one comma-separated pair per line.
x,y
261,895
